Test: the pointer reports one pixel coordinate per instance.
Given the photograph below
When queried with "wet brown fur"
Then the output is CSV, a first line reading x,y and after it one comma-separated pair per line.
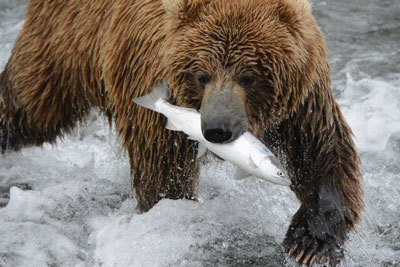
x,y
73,55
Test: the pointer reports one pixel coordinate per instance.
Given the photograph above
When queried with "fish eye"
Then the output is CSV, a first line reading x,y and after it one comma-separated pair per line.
x,y
280,173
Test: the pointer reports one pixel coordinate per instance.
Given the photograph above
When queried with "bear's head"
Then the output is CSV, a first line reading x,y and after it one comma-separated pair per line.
x,y
245,64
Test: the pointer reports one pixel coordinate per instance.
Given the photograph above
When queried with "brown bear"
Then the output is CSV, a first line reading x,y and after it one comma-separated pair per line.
x,y
257,65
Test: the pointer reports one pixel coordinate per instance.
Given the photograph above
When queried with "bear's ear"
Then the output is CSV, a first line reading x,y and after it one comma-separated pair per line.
x,y
183,10
303,5
173,7
294,11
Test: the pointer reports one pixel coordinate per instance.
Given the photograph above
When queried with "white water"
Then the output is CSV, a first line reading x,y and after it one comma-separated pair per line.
x,y
71,205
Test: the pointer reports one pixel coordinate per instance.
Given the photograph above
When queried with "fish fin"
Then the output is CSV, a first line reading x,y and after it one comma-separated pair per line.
x,y
240,174
171,126
201,150
252,163
149,100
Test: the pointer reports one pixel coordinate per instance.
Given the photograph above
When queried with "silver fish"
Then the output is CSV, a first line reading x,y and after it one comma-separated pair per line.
x,y
251,157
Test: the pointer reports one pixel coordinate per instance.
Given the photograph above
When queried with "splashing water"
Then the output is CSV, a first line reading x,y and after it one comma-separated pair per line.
x,y
71,204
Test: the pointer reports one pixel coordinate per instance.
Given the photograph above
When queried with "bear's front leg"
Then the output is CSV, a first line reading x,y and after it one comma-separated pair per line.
x,y
325,171
163,165
318,229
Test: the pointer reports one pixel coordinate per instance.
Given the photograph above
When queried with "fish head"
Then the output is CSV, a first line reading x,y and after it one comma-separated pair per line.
x,y
270,169
274,165
275,175
278,168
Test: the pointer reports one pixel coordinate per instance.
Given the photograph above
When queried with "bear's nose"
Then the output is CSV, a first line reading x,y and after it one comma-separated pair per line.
x,y
217,135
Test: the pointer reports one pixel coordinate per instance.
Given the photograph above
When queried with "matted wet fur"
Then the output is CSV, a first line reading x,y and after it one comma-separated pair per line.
x,y
74,55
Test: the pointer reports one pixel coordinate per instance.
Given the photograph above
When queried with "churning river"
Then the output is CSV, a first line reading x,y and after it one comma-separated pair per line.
x,y
71,205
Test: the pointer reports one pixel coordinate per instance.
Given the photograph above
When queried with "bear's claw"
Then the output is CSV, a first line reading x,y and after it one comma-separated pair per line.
x,y
313,257
319,251
292,250
305,261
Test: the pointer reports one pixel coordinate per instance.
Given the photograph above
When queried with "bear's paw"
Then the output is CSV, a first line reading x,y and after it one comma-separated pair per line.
x,y
317,233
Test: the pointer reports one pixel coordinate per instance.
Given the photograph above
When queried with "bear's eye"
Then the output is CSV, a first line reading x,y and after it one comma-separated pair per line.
x,y
247,80
203,78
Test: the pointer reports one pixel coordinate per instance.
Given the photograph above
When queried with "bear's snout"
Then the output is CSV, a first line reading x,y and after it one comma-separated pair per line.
x,y
216,132
223,116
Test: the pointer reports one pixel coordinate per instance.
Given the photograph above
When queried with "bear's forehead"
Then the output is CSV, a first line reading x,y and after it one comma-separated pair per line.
x,y
239,36
241,26
235,31
231,44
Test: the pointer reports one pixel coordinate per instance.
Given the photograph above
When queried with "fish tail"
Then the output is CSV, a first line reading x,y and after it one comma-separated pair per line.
x,y
149,101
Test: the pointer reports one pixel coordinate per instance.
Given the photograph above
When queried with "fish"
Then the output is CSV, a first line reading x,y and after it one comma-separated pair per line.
x,y
247,153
